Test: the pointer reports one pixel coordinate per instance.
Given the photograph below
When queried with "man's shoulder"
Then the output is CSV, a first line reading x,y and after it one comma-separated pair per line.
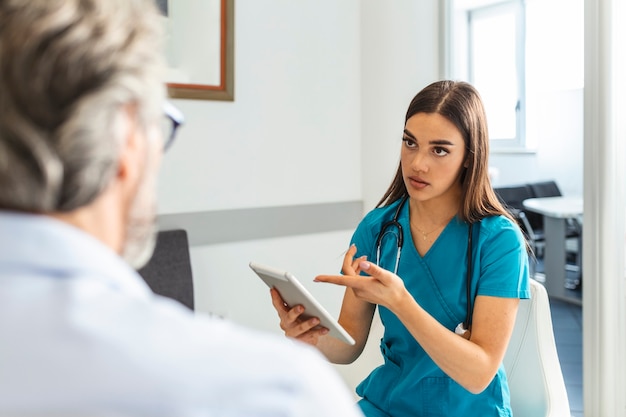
x,y
155,353
258,368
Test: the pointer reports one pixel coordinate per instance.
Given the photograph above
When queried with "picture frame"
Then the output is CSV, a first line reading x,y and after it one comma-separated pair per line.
x,y
200,49
163,6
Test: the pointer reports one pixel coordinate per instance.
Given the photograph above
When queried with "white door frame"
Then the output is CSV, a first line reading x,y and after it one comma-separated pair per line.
x,y
604,274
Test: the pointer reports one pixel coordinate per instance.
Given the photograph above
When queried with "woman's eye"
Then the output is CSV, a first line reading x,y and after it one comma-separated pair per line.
x,y
409,143
440,151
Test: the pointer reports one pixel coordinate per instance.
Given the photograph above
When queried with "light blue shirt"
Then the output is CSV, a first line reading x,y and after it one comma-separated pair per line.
x,y
80,331
410,383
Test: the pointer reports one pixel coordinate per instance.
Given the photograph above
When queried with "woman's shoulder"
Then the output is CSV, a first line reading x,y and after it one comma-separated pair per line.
x,y
500,227
497,222
381,214
372,222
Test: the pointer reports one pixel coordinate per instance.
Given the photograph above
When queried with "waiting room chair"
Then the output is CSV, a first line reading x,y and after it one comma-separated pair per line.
x,y
531,223
545,189
531,361
168,272
512,197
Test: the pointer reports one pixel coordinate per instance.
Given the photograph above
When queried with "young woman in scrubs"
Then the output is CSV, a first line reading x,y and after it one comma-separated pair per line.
x,y
429,368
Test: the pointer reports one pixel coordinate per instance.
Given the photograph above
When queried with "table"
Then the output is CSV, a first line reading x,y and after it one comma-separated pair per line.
x,y
556,211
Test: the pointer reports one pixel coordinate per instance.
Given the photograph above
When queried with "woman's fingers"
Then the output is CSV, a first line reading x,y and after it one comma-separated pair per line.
x,y
292,319
292,322
378,286
299,328
350,264
347,266
278,302
312,336
356,264
287,315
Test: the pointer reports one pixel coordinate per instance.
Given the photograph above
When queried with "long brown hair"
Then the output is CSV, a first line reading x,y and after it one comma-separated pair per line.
x,y
460,103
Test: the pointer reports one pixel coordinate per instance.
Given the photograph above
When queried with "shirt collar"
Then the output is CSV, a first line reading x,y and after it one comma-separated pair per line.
x,y
60,249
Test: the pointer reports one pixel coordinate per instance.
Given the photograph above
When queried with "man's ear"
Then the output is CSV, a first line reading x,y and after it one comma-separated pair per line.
x,y
132,150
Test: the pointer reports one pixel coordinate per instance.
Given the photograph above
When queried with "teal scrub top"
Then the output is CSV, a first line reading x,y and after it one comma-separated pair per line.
x,y
409,383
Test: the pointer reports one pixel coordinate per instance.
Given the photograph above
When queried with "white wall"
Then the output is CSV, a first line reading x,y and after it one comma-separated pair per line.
x,y
400,56
292,135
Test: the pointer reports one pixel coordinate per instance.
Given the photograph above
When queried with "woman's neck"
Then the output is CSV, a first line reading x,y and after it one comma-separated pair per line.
x,y
433,213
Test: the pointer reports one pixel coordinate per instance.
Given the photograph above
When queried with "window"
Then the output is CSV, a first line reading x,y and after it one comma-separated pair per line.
x,y
486,48
511,51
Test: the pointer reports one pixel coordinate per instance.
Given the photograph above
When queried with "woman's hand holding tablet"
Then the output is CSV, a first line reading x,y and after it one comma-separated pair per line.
x,y
294,293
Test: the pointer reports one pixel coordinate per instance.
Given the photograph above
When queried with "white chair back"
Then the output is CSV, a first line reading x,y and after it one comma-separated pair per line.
x,y
531,361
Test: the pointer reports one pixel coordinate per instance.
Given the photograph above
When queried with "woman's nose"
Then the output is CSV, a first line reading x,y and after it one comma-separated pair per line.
x,y
419,162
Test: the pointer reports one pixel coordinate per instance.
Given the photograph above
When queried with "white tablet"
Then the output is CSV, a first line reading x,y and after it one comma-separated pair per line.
x,y
294,293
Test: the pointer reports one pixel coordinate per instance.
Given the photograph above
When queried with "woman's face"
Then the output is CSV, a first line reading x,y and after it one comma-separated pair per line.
x,y
432,157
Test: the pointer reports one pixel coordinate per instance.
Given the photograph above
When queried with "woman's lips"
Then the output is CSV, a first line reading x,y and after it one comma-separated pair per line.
x,y
417,183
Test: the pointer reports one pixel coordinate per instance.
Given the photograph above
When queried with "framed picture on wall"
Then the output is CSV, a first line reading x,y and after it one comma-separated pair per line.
x,y
199,48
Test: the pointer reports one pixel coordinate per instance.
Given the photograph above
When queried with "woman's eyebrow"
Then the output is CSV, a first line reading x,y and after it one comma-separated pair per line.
x,y
409,134
432,142
441,142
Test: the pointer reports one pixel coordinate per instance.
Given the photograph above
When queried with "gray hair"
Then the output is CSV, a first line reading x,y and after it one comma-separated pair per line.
x,y
67,67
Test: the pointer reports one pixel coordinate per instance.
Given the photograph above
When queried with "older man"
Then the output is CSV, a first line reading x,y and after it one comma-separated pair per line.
x,y
81,112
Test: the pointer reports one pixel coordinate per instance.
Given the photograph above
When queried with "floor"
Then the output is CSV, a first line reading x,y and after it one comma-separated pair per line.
x,y
567,324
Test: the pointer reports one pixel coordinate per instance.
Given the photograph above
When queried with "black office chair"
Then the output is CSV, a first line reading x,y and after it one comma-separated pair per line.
x,y
545,189
531,224
512,197
168,272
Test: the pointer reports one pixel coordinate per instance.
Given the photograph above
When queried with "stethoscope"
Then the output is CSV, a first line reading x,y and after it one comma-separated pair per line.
x,y
388,228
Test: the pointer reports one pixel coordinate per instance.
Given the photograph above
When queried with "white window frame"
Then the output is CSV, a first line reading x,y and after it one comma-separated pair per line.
x,y
458,58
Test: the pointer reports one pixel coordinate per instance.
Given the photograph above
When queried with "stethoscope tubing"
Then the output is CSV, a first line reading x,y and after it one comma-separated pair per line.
x,y
400,236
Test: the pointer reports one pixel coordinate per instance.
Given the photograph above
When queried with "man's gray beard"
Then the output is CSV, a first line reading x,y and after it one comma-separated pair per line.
x,y
141,228
140,244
